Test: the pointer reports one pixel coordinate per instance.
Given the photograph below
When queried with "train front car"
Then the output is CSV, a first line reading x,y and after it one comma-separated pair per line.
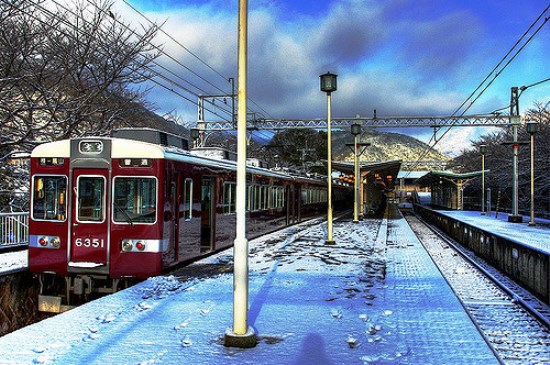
x,y
94,216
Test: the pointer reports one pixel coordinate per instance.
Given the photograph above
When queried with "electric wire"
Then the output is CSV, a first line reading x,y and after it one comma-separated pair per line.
x,y
193,54
161,51
497,74
521,90
174,40
154,72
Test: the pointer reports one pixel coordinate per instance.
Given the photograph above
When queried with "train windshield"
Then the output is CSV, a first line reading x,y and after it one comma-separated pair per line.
x,y
135,200
48,198
91,199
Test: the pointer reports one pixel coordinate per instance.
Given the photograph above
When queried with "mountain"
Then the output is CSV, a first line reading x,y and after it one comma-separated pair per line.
x,y
385,147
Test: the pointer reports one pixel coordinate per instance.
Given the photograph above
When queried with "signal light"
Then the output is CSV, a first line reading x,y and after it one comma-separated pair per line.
x,y
43,241
140,246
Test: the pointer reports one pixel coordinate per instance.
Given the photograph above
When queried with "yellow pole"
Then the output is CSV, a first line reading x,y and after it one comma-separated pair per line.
x,y
532,217
483,183
330,240
242,335
357,179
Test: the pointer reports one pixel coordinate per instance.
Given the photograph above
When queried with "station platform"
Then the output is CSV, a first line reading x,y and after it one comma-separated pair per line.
x,y
373,298
537,236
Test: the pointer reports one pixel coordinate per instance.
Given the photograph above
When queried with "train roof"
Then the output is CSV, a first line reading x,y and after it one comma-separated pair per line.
x,y
128,148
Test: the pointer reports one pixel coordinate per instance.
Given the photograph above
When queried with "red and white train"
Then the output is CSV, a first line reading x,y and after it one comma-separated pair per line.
x,y
139,203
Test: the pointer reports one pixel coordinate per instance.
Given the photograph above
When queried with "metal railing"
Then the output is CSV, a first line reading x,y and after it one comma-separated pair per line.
x,y
14,229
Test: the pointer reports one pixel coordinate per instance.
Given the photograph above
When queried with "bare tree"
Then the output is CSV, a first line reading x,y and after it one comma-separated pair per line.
x,y
498,160
66,71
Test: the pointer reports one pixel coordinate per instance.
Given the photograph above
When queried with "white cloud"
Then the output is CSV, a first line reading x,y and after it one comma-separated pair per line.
x,y
401,57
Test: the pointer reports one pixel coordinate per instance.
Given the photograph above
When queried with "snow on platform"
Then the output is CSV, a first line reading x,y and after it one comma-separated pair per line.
x,y
374,298
537,237
11,262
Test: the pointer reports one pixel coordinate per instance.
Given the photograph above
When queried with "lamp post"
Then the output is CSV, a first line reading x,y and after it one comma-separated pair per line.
x,y
241,335
483,149
356,131
328,85
532,128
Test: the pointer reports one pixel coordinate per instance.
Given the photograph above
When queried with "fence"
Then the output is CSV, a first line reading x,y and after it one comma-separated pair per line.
x,y
14,229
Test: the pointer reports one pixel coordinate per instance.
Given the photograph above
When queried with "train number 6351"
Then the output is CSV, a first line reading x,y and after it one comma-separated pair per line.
x,y
89,242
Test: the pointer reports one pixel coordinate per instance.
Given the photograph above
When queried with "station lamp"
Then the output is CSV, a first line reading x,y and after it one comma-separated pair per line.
x,y
328,82
328,85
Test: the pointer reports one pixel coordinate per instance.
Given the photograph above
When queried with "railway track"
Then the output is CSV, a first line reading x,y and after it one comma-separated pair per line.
x,y
515,324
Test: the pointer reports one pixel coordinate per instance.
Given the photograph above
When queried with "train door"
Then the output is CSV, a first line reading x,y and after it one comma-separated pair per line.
x,y
176,210
90,225
298,203
207,214
289,194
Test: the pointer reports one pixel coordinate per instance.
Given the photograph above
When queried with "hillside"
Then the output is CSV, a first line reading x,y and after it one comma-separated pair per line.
x,y
384,147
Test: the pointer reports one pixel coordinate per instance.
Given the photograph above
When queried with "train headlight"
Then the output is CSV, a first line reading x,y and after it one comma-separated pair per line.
x,y
140,246
43,241
127,245
55,242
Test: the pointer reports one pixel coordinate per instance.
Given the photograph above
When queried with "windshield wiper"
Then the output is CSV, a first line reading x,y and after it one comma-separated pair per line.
x,y
129,220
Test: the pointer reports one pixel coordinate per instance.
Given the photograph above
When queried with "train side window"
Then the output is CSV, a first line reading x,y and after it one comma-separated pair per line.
x,y
229,197
188,199
304,196
91,199
249,197
49,198
135,200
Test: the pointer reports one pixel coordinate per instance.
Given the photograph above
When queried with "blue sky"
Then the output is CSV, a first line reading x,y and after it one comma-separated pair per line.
x,y
400,57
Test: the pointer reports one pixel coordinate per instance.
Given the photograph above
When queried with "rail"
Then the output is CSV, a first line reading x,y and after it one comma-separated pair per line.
x,y
14,229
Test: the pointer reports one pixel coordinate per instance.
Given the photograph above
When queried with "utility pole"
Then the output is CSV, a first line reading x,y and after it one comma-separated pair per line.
x,y
514,217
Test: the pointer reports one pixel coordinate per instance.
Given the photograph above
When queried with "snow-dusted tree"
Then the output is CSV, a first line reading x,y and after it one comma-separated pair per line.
x,y
498,160
66,71
301,147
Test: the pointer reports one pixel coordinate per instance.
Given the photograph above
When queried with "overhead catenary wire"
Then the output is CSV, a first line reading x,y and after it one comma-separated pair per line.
x,y
192,54
521,90
493,71
161,51
175,40
154,72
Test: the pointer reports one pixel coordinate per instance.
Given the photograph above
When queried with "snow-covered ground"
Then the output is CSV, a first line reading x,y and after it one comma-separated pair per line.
x,y
373,298
13,261
537,236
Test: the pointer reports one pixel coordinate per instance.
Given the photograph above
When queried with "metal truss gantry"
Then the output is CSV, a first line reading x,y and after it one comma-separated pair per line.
x,y
381,122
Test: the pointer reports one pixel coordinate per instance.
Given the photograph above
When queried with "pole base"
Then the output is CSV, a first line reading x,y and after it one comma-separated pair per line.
x,y
532,224
246,341
355,221
331,242
515,218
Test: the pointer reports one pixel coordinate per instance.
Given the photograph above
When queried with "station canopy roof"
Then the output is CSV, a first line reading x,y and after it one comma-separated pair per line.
x,y
404,174
387,168
435,176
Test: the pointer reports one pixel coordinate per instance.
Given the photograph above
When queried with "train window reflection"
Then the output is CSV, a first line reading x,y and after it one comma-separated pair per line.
x,y
49,198
135,200
91,199
188,199
229,197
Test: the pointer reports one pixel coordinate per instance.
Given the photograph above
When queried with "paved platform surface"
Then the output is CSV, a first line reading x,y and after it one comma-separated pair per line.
x,y
373,298
537,236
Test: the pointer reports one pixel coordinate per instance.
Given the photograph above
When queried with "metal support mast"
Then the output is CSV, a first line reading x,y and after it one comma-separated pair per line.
x,y
514,116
